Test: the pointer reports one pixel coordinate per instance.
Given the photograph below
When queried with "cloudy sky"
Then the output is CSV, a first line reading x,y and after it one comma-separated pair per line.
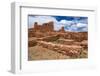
x,y
70,23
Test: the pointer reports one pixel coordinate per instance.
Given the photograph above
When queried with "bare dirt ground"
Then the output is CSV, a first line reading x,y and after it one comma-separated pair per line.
x,y
40,53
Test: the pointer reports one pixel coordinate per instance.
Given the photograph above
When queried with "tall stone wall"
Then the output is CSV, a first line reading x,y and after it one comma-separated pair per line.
x,y
45,27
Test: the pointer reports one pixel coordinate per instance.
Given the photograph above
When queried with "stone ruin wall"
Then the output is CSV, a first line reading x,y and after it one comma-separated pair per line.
x,y
73,51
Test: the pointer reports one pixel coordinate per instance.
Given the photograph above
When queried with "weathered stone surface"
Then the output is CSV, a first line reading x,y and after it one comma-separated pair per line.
x,y
84,44
77,36
50,38
73,50
65,41
32,43
62,30
46,27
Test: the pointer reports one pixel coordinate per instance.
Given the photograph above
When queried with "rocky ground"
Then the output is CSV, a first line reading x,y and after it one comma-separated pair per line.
x,y
57,46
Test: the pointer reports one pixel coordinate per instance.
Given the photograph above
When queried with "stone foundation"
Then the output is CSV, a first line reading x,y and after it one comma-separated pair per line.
x,y
73,51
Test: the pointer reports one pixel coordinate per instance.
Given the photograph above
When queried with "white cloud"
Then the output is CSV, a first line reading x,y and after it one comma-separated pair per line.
x,y
63,21
70,25
40,20
66,22
81,25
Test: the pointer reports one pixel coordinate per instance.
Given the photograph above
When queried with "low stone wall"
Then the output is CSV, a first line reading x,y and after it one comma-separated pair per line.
x,y
72,51
83,43
65,41
77,36
50,38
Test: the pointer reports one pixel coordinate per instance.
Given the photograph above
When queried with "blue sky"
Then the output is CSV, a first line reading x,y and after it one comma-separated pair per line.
x,y
70,23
